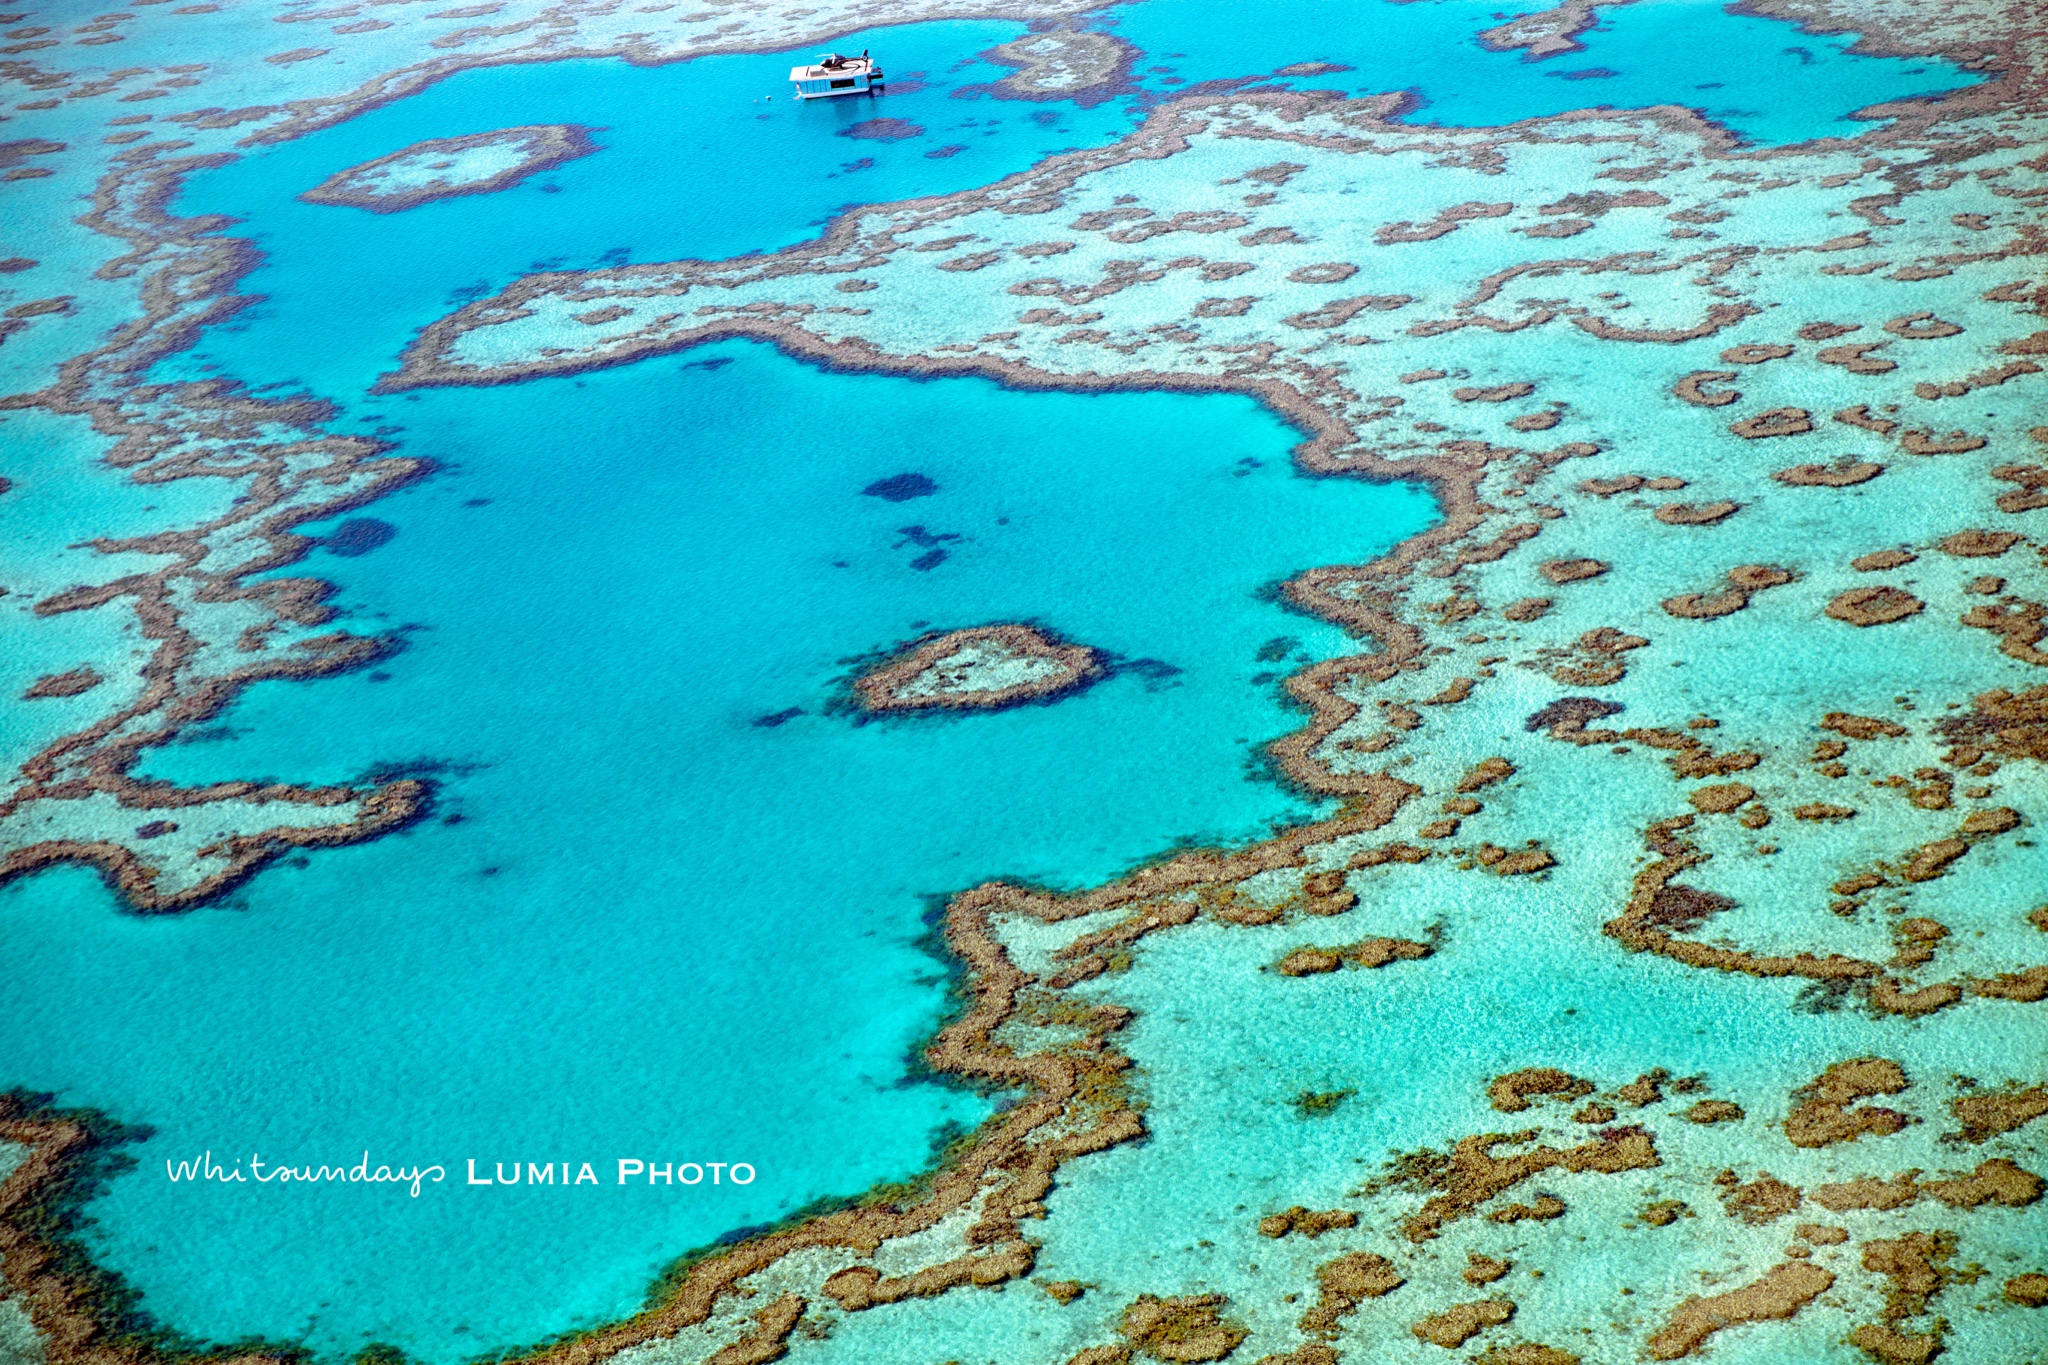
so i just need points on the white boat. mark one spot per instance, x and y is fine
(833, 74)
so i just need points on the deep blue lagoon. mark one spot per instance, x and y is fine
(643, 919)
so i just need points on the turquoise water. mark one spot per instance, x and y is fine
(697, 161)
(1765, 80)
(640, 922)
(660, 926)
(711, 159)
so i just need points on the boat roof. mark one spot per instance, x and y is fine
(848, 66)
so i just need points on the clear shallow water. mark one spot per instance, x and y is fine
(660, 926)
(659, 929)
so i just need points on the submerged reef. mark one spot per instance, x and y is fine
(1680, 713)
(1064, 64)
(440, 168)
(982, 667)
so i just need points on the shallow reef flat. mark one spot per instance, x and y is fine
(1667, 982)
(477, 163)
(1064, 64)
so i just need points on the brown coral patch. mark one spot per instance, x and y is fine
(1572, 570)
(1986, 1114)
(1824, 1114)
(1878, 560)
(1763, 1200)
(1714, 1111)
(1878, 605)
(1461, 1322)
(1745, 580)
(1595, 660)
(1483, 1269)
(1868, 1192)
(1308, 1222)
(770, 1335)
(1640, 929)
(2032, 491)
(1526, 1353)
(1693, 388)
(1862, 416)
(1118, 1354)
(1995, 1181)
(1511, 1093)
(1991, 820)
(1921, 326)
(1856, 358)
(1545, 1208)
(1704, 606)
(1372, 952)
(1648, 1088)
(1853, 726)
(1913, 1264)
(1843, 473)
(1682, 909)
(1519, 863)
(1497, 393)
(1922, 441)
(1756, 577)
(1337, 312)
(1781, 1292)
(1977, 544)
(1719, 799)
(71, 684)
(891, 686)
(2002, 722)
(1754, 353)
(1718, 316)
(1329, 272)
(1774, 422)
(1471, 1175)
(1893, 1347)
(1183, 1329)
(1485, 773)
(862, 1286)
(1345, 1283)
(2029, 1290)
(1932, 860)
(1696, 514)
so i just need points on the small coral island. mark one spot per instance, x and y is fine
(984, 667)
(443, 167)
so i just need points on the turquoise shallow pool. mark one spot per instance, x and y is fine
(643, 921)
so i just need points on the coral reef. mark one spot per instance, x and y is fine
(982, 668)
